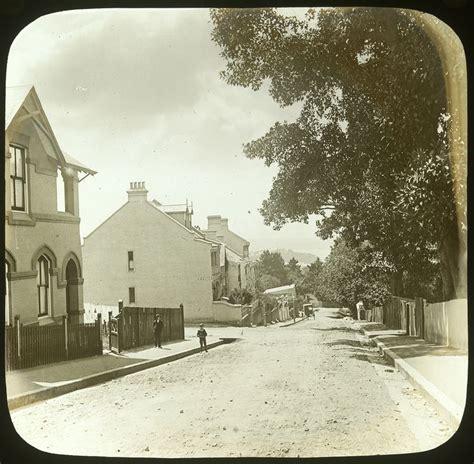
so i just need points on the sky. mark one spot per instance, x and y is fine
(136, 95)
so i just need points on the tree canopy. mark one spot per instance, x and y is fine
(368, 152)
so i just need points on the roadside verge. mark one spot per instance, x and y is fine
(45, 393)
(448, 409)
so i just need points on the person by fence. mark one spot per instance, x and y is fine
(157, 329)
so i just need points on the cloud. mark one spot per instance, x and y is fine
(132, 65)
(136, 95)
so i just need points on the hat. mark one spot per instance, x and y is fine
(201, 324)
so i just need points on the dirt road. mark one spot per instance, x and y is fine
(312, 389)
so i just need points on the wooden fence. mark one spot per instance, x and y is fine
(133, 327)
(31, 346)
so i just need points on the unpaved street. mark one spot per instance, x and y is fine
(312, 389)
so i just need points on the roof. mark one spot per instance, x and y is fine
(232, 255)
(284, 290)
(174, 208)
(14, 98)
(73, 162)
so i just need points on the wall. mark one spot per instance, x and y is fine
(226, 312)
(42, 224)
(91, 311)
(171, 267)
(446, 323)
(232, 276)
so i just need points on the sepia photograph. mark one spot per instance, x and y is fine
(236, 232)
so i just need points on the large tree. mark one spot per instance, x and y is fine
(368, 151)
(352, 274)
(270, 270)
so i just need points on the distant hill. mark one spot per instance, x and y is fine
(302, 258)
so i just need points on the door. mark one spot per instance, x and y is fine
(72, 291)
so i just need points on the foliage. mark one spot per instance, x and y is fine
(312, 279)
(368, 151)
(270, 270)
(238, 296)
(351, 274)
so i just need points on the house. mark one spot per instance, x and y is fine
(43, 262)
(237, 268)
(149, 255)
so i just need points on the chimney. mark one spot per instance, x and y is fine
(137, 191)
(214, 223)
(225, 223)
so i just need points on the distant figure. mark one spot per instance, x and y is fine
(202, 334)
(359, 307)
(157, 328)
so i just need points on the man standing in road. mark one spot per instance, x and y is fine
(157, 328)
(202, 334)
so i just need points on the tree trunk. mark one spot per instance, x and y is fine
(453, 276)
(396, 283)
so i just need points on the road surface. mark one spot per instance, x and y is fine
(312, 389)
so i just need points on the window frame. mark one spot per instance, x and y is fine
(44, 282)
(131, 261)
(14, 177)
(131, 291)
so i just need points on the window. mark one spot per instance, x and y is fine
(131, 295)
(18, 177)
(131, 264)
(214, 259)
(246, 251)
(44, 287)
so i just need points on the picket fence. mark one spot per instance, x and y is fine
(31, 346)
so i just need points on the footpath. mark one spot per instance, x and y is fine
(438, 372)
(28, 386)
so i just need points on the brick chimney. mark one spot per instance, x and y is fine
(214, 223)
(137, 191)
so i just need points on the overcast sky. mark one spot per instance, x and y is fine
(136, 96)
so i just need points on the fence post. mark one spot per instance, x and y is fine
(99, 328)
(119, 332)
(182, 319)
(110, 330)
(18, 340)
(66, 341)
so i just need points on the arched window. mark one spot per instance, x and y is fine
(44, 285)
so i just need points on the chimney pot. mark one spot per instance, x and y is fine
(137, 191)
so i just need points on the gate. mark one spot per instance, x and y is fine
(133, 327)
(114, 340)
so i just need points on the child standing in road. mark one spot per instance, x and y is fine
(202, 334)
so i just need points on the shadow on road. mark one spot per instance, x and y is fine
(370, 357)
(342, 342)
(334, 329)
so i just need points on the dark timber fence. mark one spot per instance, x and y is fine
(31, 346)
(133, 326)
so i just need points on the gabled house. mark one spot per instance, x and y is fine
(236, 267)
(43, 262)
(149, 255)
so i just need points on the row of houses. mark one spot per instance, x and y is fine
(145, 254)
(149, 254)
